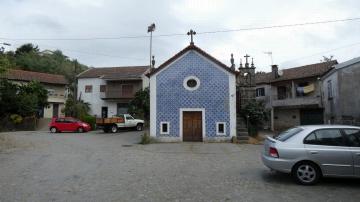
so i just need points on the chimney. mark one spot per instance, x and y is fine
(275, 71)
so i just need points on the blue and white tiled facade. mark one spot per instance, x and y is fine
(215, 97)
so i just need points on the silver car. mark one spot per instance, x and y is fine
(311, 152)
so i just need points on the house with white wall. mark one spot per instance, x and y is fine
(109, 90)
(55, 84)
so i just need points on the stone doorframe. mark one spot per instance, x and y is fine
(202, 110)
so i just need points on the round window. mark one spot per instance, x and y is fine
(191, 83)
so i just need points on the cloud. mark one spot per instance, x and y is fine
(112, 18)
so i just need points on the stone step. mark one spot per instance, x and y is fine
(242, 137)
(242, 130)
(243, 134)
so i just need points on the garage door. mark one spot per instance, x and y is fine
(311, 116)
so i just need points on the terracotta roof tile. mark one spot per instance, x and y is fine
(114, 72)
(22, 75)
(305, 71)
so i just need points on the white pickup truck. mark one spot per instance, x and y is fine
(113, 124)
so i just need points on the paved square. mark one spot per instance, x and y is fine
(113, 167)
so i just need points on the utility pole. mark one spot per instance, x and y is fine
(151, 28)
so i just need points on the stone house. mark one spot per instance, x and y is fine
(192, 98)
(109, 90)
(341, 94)
(56, 85)
(294, 95)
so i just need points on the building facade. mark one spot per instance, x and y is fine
(56, 85)
(192, 98)
(341, 94)
(109, 90)
(294, 95)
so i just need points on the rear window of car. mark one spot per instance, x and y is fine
(327, 137)
(288, 134)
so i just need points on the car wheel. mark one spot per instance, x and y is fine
(80, 130)
(306, 173)
(139, 127)
(53, 130)
(114, 129)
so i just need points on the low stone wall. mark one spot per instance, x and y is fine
(27, 124)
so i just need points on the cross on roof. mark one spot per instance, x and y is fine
(191, 33)
(246, 58)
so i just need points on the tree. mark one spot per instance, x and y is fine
(4, 63)
(255, 114)
(140, 105)
(8, 97)
(25, 100)
(76, 108)
(327, 59)
(26, 48)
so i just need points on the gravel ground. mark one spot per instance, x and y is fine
(113, 167)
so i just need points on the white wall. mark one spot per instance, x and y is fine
(94, 97)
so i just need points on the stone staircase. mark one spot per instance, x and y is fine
(242, 131)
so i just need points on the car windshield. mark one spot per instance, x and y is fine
(288, 134)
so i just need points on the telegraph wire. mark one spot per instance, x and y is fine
(184, 34)
(322, 52)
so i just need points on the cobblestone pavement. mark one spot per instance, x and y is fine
(113, 167)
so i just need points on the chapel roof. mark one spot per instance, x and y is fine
(186, 49)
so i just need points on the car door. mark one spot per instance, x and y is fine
(70, 124)
(328, 148)
(60, 124)
(130, 122)
(353, 136)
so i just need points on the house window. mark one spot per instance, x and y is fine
(191, 83)
(127, 90)
(164, 128)
(330, 90)
(220, 128)
(88, 88)
(51, 92)
(102, 88)
(282, 94)
(260, 92)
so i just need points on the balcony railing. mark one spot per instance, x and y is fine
(115, 94)
(297, 101)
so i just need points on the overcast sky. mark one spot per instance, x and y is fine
(292, 46)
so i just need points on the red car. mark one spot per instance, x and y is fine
(68, 124)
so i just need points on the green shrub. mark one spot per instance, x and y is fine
(90, 120)
(16, 119)
(252, 130)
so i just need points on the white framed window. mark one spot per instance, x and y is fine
(164, 128)
(191, 83)
(51, 92)
(220, 128)
(330, 90)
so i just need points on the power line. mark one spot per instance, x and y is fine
(184, 34)
(322, 52)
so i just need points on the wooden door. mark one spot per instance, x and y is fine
(192, 126)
